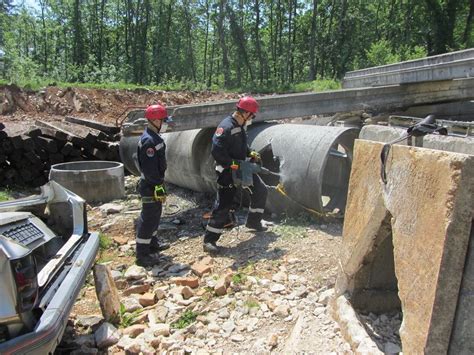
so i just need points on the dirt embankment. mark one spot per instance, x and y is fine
(104, 105)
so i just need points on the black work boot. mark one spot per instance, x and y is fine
(256, 226)
(157, 245)
(210, 247)
(148, 260)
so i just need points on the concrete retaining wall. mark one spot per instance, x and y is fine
(426, 209)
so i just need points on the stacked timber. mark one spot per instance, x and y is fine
(26, 159)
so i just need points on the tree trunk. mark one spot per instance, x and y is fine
(312, 42)
(258, 45)
(443, 21)
(222, 42)
(466, 38)
(206, 40)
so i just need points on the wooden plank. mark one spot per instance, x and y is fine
(54, 130)
(46, 144)
(110, 130)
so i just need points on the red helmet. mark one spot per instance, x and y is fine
(248, 103)
(156, 112)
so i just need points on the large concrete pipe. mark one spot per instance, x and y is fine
(314, 162)
(188, 155)
(94, 181)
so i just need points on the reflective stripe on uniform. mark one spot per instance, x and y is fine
(143, 241)
(148, 199)
(219, 168)
(214, 230)
(235, 130)
(155, 233)
(159, 146)
(256, 210)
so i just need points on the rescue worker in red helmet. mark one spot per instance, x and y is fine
(229, 147)
(152, 163)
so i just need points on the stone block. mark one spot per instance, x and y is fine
(107, 293)
(426, 208)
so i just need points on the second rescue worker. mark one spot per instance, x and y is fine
(152, 162)
(229, 148)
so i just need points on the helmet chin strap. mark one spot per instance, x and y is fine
(153, 126)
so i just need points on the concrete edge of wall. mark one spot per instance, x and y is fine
(351, 328)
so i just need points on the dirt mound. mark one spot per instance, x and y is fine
(100, 104)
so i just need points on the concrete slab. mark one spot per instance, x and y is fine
(432, 141)
(426, 209)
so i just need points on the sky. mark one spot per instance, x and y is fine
(30, 3)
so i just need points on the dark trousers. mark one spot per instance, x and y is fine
(147, 226)
(225, 199)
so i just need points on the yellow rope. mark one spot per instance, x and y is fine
(281, 189)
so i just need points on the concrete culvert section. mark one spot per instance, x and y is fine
(94, 181)
(314, 162)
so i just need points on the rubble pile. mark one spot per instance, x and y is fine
(190, 307)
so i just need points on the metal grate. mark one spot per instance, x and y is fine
(25, 233)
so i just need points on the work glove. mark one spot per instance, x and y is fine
(255, 157)
(160, 193)
(235, 165)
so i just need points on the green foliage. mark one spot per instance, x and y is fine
(380, 53)
(318, 85)
(179, 45)
(294, 227)
(126, 318)
(187, 318)
(104, 241)
(252, 303)
(238, 278)
(5, 195)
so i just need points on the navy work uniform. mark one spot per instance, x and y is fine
(229, 143)
(152, 162)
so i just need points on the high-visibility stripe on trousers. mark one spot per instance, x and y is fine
(225, 197)
(147, 226)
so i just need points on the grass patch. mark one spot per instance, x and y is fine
(105, 254)
(127, 318)
(173, 84)
(104, 241)
(252, 303)
(318, 85)
(187, 318)
(294, 227)
(5, 195)
(239, 278)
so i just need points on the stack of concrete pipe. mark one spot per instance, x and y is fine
(314, 162)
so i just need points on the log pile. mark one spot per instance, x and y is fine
(26, 159)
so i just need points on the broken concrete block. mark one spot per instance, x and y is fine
(107, 335)
(136, 289)
(192, 282)
(200, 269)
(147, 299)
(107, 293)
(405, 242)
